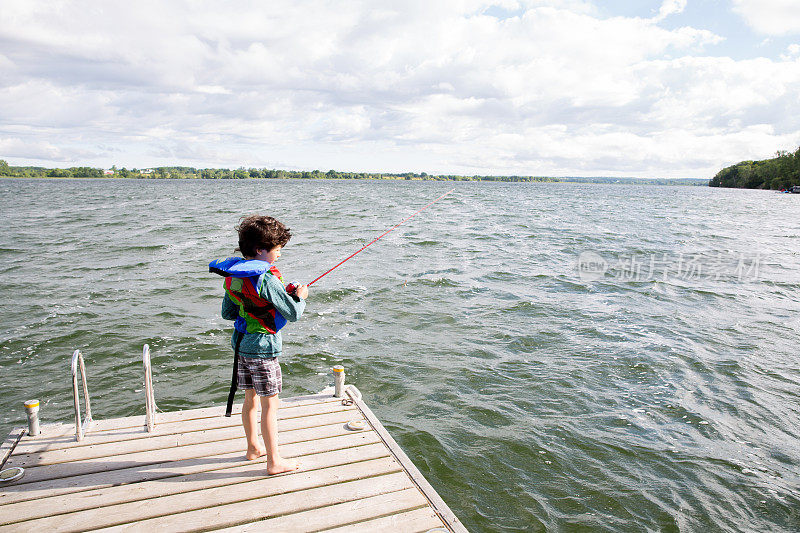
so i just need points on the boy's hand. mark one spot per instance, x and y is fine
(302, 291)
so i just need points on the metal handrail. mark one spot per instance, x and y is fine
(149, 396)
(80, 427)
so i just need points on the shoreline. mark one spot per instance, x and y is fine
(674, 182)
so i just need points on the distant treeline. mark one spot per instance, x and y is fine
(780, 172)
(262, 173)
(239, 173)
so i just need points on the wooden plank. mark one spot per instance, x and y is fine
(67, 429)
(105, 464)
(7, 448)
(35, 445)
(48, 508)
(248, 508)
(192, 476)
(436, 502)
(143, 473)
(339, 514)
(112, 449)
(416, 521)
(60, 433)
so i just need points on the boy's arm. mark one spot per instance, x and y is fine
(230, 311)
(282, 300)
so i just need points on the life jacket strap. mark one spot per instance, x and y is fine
(234, 378)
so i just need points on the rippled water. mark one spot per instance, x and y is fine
(531, 397)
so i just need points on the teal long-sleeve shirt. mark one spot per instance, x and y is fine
(264, 345)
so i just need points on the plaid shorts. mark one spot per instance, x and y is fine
(261, 374)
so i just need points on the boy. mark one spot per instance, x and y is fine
(257, 300)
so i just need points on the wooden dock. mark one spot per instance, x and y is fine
(190, 474)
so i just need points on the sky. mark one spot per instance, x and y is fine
(658, 89)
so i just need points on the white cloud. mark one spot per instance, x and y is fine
(37, 149)
(792, 52)
(552, 88)
(670, 7)
(771, 17)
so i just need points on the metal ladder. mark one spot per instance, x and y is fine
(81, 428)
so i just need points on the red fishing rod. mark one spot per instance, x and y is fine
(291, 287)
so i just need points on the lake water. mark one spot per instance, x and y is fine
(652, 385)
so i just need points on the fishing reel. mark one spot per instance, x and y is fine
(291, 289)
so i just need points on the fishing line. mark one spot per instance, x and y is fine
(291, 287)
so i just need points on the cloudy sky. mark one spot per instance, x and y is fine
(645, 88)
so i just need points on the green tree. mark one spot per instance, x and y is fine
(780, 172)
(58, 173)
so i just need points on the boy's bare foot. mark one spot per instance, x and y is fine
(281, 465)
(254, 453)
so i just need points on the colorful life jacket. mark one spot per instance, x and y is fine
(243, 281)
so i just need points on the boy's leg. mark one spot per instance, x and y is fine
(269, 430)
(250, 423)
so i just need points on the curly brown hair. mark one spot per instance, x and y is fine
(261, 232)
